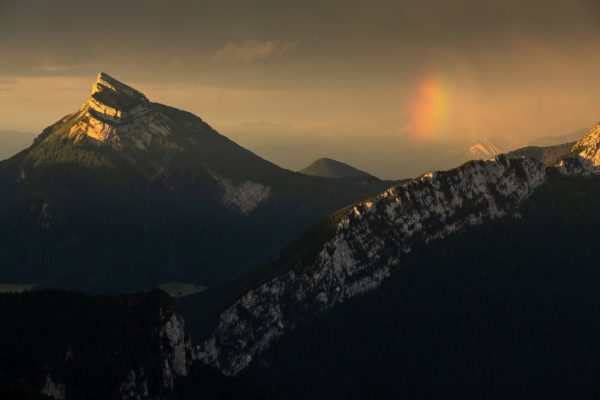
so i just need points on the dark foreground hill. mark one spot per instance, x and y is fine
(69, 345)
(57, 344)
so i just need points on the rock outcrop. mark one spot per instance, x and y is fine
(119, 115)
(588, 148)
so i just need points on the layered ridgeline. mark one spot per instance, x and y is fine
(583, 152)
(328, 168)
(360, 247)
(126, 193)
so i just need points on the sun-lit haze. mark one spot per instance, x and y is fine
(391, 87)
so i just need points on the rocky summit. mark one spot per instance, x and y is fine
(116, 113)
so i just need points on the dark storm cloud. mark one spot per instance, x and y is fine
(68, 36)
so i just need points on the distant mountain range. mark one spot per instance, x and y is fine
(11, 142)
(328, 168)
(125, 194)
(549, 155)
(560, 139)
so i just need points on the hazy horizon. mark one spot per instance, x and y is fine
(417, 81)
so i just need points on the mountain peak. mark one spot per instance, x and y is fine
(329, 168)
(111, 93)
(115, 112)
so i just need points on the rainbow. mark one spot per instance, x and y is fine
(430, 112)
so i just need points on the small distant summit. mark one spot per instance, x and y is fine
(559, 140)
(483, 149)
(328, 168)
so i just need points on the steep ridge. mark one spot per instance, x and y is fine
(507, 309)
(364, 247)
(125, 194)
(361, 246)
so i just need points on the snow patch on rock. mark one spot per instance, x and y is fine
(244, 197)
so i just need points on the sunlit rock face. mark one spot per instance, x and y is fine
(121, 117)
(588, 147)
(366, 246)
(116, 114)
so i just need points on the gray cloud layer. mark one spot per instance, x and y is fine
(63, 36)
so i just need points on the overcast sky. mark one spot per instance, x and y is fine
(424, 71)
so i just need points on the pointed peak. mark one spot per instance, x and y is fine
(330, 168)
(109, 92)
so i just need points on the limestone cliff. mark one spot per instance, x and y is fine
(366, 246)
